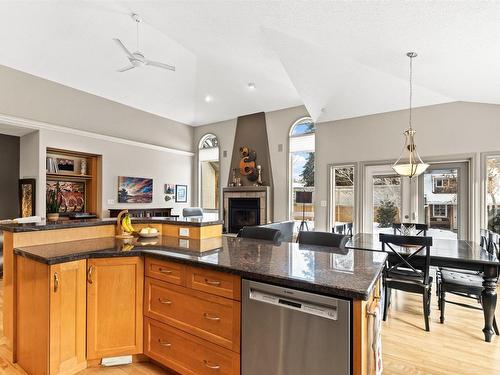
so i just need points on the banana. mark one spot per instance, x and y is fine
(127, 224)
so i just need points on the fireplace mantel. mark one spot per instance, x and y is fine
(264, 193)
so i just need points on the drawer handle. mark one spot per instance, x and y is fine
(163, 270)
(164, 301)
(89, 274)
(164, 343)
(56, 282)
(213, 367)
(211, 317)
(212, 282)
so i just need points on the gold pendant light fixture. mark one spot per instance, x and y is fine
(410, 163)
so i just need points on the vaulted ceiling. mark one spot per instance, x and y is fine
(340, 59)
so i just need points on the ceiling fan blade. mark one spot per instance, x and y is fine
(126, 68)
(122, 46)
(160, 65)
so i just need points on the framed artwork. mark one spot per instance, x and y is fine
(135, 190)
(169, 189)
(181, 193)
(72, 195)
(67, 165)
(27, 195)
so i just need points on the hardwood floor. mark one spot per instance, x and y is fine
(456, 347)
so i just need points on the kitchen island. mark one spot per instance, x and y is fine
(175, 300)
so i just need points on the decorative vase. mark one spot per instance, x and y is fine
(83, 167)
(53, 216)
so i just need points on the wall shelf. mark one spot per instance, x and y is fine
(68, 175)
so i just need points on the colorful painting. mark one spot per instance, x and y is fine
(27, 196)
(135, 190)
(181, 193)
(67, 165)
(72, 196)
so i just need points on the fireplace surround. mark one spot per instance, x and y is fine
(246, 206)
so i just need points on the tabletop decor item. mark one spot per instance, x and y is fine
(67, 165)
(83, 167)
(135, 190)
(53, 203)
(27, 188)
(181, 193)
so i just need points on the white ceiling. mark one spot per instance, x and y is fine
(340, 59)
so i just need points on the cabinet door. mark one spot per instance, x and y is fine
(68, 299)
(114, 307)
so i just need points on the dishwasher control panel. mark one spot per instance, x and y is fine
(328, 312)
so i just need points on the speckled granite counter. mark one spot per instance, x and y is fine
(344, 273)
(68, 224)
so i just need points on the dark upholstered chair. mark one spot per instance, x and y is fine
(407, 273)
(192, 211)
(322, 239)
(259, 233)
(285, 227)
(421, 229)
(467, 284)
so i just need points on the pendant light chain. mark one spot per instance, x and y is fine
(411, 87)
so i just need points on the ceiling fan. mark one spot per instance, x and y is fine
(137, 59)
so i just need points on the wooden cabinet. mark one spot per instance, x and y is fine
(192, 318)
(51, 317)
(114, 307)
(187, 354)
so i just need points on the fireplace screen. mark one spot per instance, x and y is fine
(243, 212)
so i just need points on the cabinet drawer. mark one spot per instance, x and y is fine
(210, 317)
(171, 272)
(218, 283)
(186, 353)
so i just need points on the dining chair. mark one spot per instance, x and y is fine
(348, 229)
(259, 233)
(420, 229)
(464, 283)
(323, 239)
(406, 272)
(339, 229)
(192, 211)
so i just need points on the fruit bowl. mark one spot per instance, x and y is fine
(148, 232)
(148, 235)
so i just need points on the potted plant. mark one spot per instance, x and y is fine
(53, 203)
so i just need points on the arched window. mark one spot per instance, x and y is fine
(301, 149)
(208, 172)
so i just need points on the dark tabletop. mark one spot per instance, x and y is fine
(442, 250)
(324, 270)
(67, 224)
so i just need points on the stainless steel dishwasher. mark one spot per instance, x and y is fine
(290, 332)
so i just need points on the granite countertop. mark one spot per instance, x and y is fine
(317, 269)
(67, 224)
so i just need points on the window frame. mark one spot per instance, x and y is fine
(199, 174)
(440, 206)
(331, 203)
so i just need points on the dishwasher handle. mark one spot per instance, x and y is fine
(328, 312)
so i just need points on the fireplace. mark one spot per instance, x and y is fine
(243, 212)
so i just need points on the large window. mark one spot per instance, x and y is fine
(386, 202)
(342, 195)
(209, 172)
(301, 148)
(493, 193)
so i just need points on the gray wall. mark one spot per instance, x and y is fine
(9, 177)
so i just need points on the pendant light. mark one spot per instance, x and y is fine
(410, 163)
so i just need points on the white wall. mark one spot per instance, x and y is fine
(458, 128)
(123, 160)
(30, 97)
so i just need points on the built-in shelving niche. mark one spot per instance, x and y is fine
(91, 179)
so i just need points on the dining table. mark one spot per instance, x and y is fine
(450, 253)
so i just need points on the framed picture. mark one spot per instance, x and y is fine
(67, 165)
(135, 190)
(181, 193)
(169, 189)
(27, 194)
(72, 195)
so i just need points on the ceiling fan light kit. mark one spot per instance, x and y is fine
(137, 58)
(410, 163)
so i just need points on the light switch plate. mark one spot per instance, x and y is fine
(111, 201)
(184, 232)
(323, 203)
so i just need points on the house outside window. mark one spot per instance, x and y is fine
(440, 210)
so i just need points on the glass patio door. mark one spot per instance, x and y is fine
(443, 200)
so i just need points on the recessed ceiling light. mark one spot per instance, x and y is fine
(208, 98)
(251, 86)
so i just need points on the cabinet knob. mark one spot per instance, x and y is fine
(89, 274)
(211, 317)
(213, 367)
(212, 282)
(56, 282)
